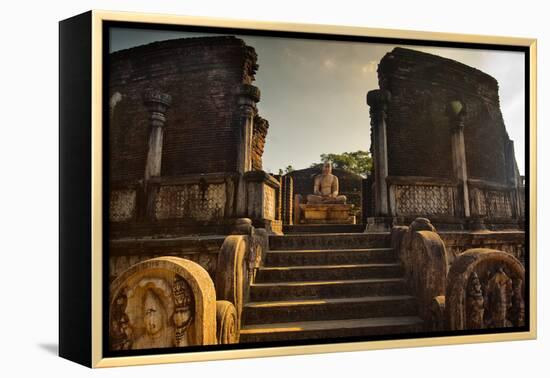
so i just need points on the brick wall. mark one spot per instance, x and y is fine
(418, 130)
(258, 142)
(202, 76)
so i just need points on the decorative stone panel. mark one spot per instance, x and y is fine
(269, 202)
(423, 199)
(122, 205)
(491, 203)
(199, 202)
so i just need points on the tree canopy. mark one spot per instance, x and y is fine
(359, 162)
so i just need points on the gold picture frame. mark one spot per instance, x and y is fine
(83, 241)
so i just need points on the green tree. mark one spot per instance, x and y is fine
(288, 169)
(359, 162)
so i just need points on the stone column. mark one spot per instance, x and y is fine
(288, 196)
(456, 113)
(157, 103)
(247, 97)
(378, 101)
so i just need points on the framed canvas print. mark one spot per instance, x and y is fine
(236, 189)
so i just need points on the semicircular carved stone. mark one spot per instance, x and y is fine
(226, 322)
(424, 258)
(485, 289)
(160, 303)
(232, 275)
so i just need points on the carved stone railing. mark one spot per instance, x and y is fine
(421, 196)
(492, 201)
(485, 289)
(239, 258)
(199, 198)
(424, 259)
(196, 197)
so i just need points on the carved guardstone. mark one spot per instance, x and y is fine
(161, 303)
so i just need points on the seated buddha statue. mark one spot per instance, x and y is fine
(325, 188)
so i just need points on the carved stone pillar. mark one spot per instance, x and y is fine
(157, 103)
(378, 101)
(456, 113)
(287, 199)
(247, 97)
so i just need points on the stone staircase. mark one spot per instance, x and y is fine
(328, 285)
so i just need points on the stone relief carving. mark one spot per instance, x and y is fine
(424, 199)
(475, 303)
(184, 308)
(499, 300)
(200, 202)
(121, 332)
(497, 304)
(160, 303)
(485, 290)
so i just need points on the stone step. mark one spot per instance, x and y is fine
(328, 309)
(285, 258)
(327, 272)
(276, 291)
(328, 329)
(323, 228)
(329, 241)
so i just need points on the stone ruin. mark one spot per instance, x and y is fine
(197, 253)
(440, 147)
(184, 132)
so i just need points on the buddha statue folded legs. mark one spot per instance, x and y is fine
(317, 199)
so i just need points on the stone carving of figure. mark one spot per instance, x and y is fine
(325, 188)
(158, 334)
(121, 332)
(475, 304)
(518, 305)
(499, 295)
(183, 310)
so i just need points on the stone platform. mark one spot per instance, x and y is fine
(326, 214)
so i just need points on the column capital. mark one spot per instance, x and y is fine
(248, 92)
(456, 111)
(378, 99)
(247, 96)
(157, 101)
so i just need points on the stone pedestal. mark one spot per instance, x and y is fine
(326, 214)
(262, 200)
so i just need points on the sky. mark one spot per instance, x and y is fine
(313, 93)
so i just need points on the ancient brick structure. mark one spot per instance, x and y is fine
(439, 143)
(183, 131)
(258, 142)
(186, 184)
